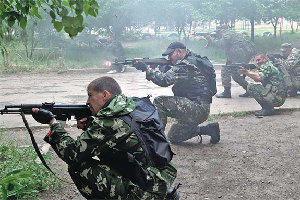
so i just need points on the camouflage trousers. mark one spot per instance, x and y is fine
(265, 96)
(296, 82)
(96, 181)
(188, 115)
(227, 73)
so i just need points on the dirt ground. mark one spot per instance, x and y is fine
(257, 158)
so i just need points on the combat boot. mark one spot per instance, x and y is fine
(173, 193)
(267, 110)
(211, 129)
(246, 94)
(292, 93)
(225, 94)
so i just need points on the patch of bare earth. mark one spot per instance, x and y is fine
(257, 158)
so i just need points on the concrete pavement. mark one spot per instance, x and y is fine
(70, 88)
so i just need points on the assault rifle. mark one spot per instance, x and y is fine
(237, 66)
(274, 56)
(147, 61)
(62, 112)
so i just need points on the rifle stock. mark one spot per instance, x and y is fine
(62, 112)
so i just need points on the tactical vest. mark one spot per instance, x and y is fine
(146, 124)
(197, 89)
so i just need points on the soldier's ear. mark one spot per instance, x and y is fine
(106, 94)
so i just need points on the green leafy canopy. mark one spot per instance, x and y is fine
(65, 14)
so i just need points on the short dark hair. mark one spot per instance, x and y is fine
(105, 83)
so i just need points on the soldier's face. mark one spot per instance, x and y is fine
(286, 53)
(96, 100)
(175, 56)
(260, 60)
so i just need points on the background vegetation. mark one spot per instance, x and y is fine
(39, 35)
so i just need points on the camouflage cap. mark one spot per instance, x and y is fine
(285, 46)
(172, 47)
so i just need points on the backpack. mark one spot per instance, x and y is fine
(207, 68)
(145, 122)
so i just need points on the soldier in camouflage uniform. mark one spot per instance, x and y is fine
(271, 93)
(291, 63)
(117, 51)
(107, 136)
(238, 49)
(190, 105)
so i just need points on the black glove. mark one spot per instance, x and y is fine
(140, 66)
(43, 116)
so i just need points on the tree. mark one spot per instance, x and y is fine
(65, 14)
(292, 12)
(272, 11)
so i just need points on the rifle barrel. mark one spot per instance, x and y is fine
(62, 111)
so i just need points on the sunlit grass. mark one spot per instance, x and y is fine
(75, 56)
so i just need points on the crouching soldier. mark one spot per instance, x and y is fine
(271, 92)
(127, 165)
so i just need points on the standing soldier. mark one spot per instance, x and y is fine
(238, 49)
(291, 62)
(116, 49)
(194, 84)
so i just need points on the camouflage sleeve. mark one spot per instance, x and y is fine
(160, 78)
(223, 41)
(219, 43)
(266, 70)
(292, 60)
(102, 136)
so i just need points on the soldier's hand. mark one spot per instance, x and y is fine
(208, 37)
(242, 70)
(82, 123)
(140, 65)
(42, 116)
(85, 122)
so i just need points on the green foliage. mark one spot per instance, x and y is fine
(270, 44)
(18, 12)
(20, 176)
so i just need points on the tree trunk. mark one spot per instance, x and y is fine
(292, 26)
(274, 24)
(252, 29)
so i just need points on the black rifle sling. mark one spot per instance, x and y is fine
(37, 150)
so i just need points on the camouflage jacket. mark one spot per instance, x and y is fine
(270, 74)
(237, 47)
(186, 78)
(116, 49)
(108, 133)
(292, 62)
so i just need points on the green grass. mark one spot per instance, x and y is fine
(20, 176)
(213, 117)
(75, 56)
(271, 44)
